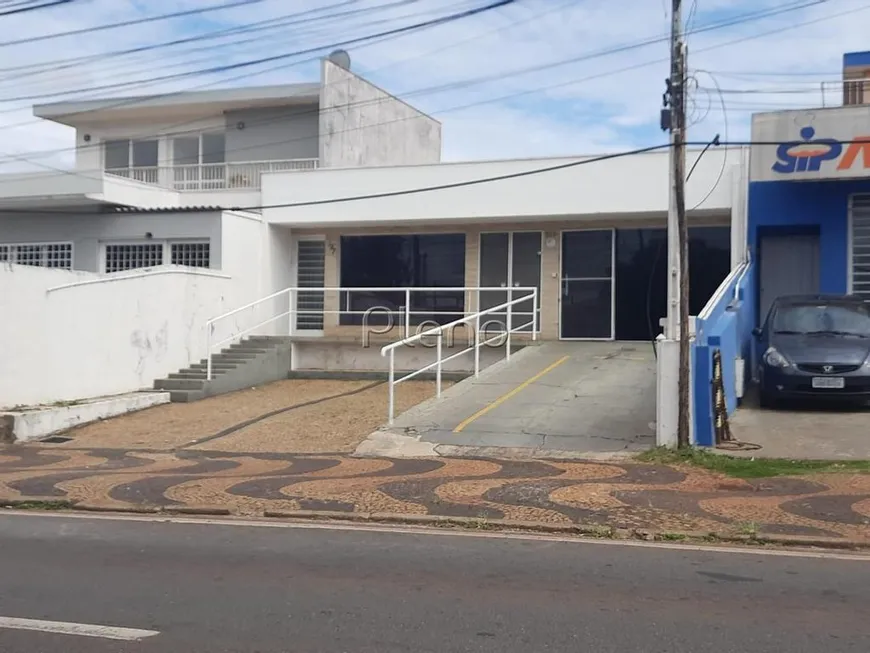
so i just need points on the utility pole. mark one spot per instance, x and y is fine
(677, 322)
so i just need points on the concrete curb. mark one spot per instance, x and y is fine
(50, 504)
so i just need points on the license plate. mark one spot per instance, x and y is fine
(829, 382)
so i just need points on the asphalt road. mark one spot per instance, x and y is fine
(214, 588)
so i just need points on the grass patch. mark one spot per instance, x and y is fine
(748, 467)
(60, 504)
(673, 537)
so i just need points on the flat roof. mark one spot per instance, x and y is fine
(248, 97)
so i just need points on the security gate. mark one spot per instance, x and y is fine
(310, 273)
(860, 239)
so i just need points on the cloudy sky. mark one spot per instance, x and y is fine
(534, 78)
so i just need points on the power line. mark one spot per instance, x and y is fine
(409, 191)
(608, 73)
(586, 56)
(63, 63)
(197, 131)
(729, 22)
(129, 23)
(448, 186)
(768, 91)
(31, 5)
(386, 35)
(772, 73)
(279, 57)
(724, 159)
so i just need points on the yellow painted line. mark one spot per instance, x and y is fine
(498, 402)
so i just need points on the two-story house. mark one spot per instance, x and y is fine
(201, 148)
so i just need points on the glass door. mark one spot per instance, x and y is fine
(510, 260)
(587, 285)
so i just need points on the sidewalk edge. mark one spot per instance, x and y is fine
(52, 504)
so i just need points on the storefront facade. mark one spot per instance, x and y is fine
(591, 239)
(809, 204)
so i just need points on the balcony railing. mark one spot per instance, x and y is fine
(211, 176)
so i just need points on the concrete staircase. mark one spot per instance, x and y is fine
(251, 362)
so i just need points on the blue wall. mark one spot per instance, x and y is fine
(724, 330)
(819, 204)
(775, 207)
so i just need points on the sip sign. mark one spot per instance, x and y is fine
(811, 145)
(810, 153)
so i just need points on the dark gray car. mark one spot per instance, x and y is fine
(815, 347)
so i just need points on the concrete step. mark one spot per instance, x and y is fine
(215, 367)
(221, 360)
(270, 339)
(186, 396)
(233, 357)
(245, 349)
(201, 370)
(179, 384)
(190, 383)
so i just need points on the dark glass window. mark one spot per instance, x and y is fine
(412, 261)
(587, 254)
(641, 276)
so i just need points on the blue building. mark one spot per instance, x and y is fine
(807, 230)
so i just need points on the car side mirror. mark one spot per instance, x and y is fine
(757, 331)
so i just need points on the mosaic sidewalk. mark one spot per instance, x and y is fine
(619, 495)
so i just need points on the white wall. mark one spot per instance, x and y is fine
(363, 125)
(88, 230)
(631, 185)
(72, 335)
(242, 255)
(277, 273)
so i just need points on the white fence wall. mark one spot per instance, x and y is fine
(72, 335)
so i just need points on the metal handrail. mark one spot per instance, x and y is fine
(438, 332)
(405, 310)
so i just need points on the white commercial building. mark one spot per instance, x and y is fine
(189, 207)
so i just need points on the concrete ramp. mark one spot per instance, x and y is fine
(593, 399)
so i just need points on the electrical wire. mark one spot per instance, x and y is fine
(30, 5)
(365, 40)
(407, 191)
(734, 20)
(715, 142)
(730, 22)
(658, 255)
(439, 187)
(262, 42)
(278, 57)
(287, 20)
(197, 131)
(128, 23)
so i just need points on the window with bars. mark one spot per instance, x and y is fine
(861, 246)
(195, 255)
(45, 255)
(131, 256)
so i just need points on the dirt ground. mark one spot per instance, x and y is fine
(335, 425)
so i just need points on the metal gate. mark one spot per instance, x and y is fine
(310, 273)
(789, 265)
(860, 239)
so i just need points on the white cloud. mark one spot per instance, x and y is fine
(598, 104)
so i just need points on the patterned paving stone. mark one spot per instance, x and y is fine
(619, 494)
